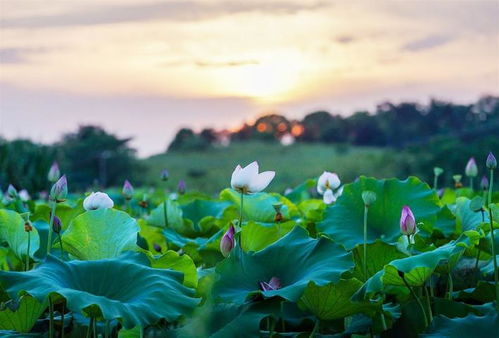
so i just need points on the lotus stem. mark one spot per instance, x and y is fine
(164, 209)
(106, 329)
(365, 241)
(435, 182)
(27, 252)
(283, 323)
(421, 307)
(428, 301)
(240, 237)
(51, 224)
(62, 321)
(471, 183)
(51, 318)
(383, 321)
(315, 329)
(90, 327)
(60, 244)
(491, 184)
(451, 286)
(494, 258)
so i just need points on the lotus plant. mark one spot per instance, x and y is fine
(54, 173)
(57, 194)
(127, 193)
(248, 180)
(97, 200)
(491, 164)
(368, 197)
(407, 223)
(326, 183)
(437, 171)
(181, 187)
(471, 170)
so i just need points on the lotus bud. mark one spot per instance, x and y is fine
(457, 181)
(437, 171)
(24, 195)
(273, 284)
(278, 215)
(369, 197)
(157, 247)
(471, 169)
(227, 242)
(484, 183)
(181, 187)
(143, 202)
(165, 175)
(97, 200)
(59, 190)
(407, 221)
(57, 226)
(54, 173)
(27, 226)
(127, 190)
(491, 162)
(12, 192)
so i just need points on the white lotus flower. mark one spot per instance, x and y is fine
(326, 183)
(24, 195)
(98, 200)
(248, 180)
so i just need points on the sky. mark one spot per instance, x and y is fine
(145, 68)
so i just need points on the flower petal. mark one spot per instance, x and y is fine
(328, 197)
(262, 181)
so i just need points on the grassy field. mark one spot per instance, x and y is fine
(210, 170)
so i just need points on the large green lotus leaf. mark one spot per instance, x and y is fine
(65, 212)
(197, 209)
(379, 254)
(119, 288)
(21, 315)
(102, 233)
(12, 232)
(471, 326)
(259, 207)
(152, 235)
(257, 236)
(312, 210)
(302, 192)
(181, 241)
(173, 214)
(466, 219)
(295, 259)
(182, 263)
(446, 222)
(483, 292)
(333, 300)
(344, 220)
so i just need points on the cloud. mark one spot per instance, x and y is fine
(345, 39)
(164, 10)
(428, 42)
(235, 63)
(18, 55)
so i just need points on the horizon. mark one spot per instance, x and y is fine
(144, 70)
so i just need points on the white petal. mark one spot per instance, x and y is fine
(87, 202)
(251, 170)
(235, 176)
(328, 197)
(321, 182)
(334, 181)
(262, 181)
(339, 192)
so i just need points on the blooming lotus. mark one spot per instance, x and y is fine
(407, 221)
(24, 195)
(227, 242)
(247, 180)
(98, 200)
(326, 183)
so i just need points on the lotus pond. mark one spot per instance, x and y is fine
(373, 257)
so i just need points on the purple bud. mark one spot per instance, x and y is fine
(491, 162)
(57, 225)
(127, 190)
(157, 247)
(471, 169)
(54, 173)
(164, 175)
(59, 190)
(273, 284)
(181, 187)
(12, 192)
(227, 241)
(407, 221)
(484, 183)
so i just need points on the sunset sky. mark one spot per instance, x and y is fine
(146, 68)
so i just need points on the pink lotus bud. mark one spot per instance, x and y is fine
(57, 226)
(407, 221)
(127, 190)
(59, 190)
(273, 284)
(471, 169)
(484, 183)
(181, 187)
(54, 173)
(164, 175)
(227, 242)
(491, 162)
(157, 247)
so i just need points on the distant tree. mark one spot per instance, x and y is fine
(364, 129)
(92, 155)
(187, 140)
(314, 125)
(25, 164)
(271, 127)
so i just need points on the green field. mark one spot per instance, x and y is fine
(210, 171)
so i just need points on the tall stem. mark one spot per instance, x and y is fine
(240, 237)
(315, 329)
(451, 286)
(51, 224)
(435, 182)
(90, 327)
(365, 241)
(62, 320)
(60, 244)
(428, 303)
(164, 209)
(491, 183)
(471, 183)
(421, 307)
(494, 258)
(27, 252)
